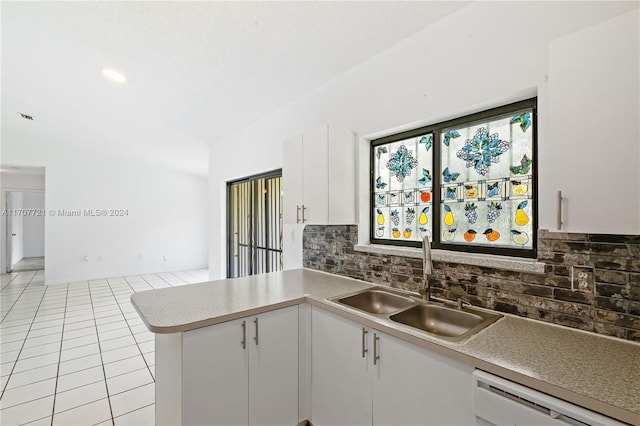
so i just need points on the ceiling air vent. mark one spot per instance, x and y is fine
(26, 117)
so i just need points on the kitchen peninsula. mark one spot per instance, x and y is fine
(281, 312)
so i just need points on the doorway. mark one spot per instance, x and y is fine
(25, 230)
(23, 215)
(254, 225)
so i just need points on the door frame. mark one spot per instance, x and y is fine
(5, 243)
(230, 235)
(8, 241)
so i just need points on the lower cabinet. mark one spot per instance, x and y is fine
(340, 382)
(242, 372)
(361, 376)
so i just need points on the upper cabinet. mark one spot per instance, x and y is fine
(319, 177)
(588, 143)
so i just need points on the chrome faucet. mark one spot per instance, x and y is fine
(427, 267)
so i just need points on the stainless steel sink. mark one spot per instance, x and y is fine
(448, 323)
(376, 301)
(438, 319)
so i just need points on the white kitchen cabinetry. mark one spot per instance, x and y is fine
(406, 385)
(242, 372)
(589, 133)
(319, 177)
(340, 382)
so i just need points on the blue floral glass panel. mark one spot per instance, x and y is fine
(403, 186)
(487, 182)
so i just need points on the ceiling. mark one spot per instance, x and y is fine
(196, 71)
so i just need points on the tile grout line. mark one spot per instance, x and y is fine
(17, 298)
(4, 388)
(101, 359)
(137, 409)
(46, 301)
(55, 390)
(10, 281)
(131, 331)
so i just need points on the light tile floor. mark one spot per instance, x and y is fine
(78, 354)
(28, 264)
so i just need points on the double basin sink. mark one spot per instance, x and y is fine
(438, 319)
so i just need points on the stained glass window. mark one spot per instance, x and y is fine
(479, 193)
(403, 189)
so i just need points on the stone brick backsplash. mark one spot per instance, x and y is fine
(607, 302)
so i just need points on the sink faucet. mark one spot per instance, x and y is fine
(427, 267)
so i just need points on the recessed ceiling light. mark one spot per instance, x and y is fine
(114, 75)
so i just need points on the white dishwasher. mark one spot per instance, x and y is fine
(501, 402)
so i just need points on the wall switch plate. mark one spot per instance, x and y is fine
(583, 279)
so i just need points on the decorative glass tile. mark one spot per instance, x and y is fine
(471, 191)
(451, 193)
(425, 195)
(395, 198)
(520, 188)
(493, 159)
(403, 188)
(495, 189)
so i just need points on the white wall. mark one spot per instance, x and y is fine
(167, 212)
(18, 182)
(33, 231)
(483, 55)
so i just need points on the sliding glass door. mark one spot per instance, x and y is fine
(254, 221)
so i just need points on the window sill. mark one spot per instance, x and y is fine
(484, 260)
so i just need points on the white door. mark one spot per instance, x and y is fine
(340, 380)
(7, 236)
(412, 386)
(15, 228)
(215, 379)
(273, 368)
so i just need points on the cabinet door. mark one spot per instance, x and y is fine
(589, 133)
(340, 381)
(342, 177)
(292, 179)
(315, 178)
(412, 386)
(215, 375)
(273, 368)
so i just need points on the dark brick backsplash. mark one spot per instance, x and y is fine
(611, 308)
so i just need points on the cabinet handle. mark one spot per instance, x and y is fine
(559, 223)
(376, 357)
(297, 214)
(303, 209)
(364, 345)
(255, 321)
(244, 335)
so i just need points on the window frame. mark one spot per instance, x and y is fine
(436, 201)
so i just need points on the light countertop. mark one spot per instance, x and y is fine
(596, 372)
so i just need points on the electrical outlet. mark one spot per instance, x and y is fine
(583, 278)
(335, 248)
